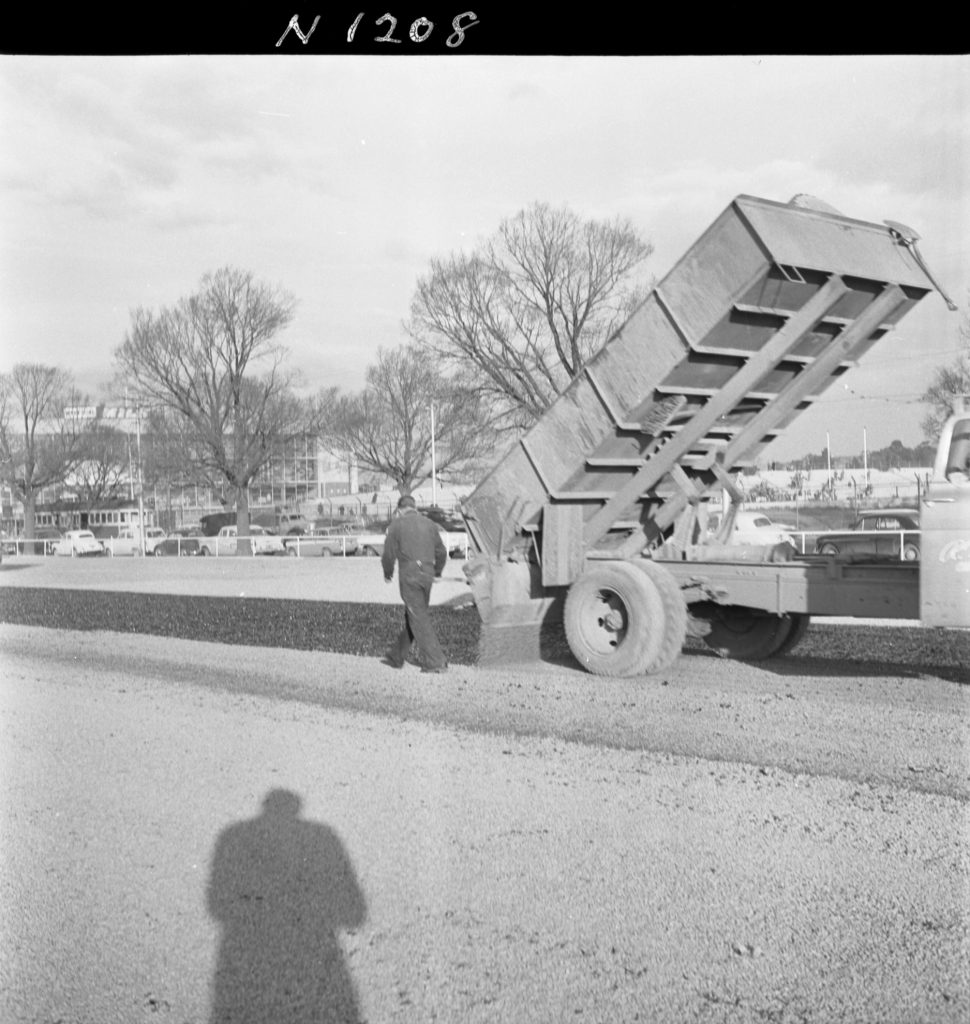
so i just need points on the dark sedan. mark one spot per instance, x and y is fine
(878, 534)
(178, 542)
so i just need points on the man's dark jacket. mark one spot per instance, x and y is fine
(416, 542)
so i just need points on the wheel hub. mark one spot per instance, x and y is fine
(613, 620)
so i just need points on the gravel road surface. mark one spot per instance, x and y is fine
(191, 829)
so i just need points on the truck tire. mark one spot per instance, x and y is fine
(621, 620)
(799, 627)
(741, 633)
(828, 549)
(675, 615)
(910, 552)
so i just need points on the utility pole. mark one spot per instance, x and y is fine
(434, 469)
(865, 456)
(141, 482)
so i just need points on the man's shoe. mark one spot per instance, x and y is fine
(387, 660)
(436, 670)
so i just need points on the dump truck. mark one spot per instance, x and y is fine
(594, 523)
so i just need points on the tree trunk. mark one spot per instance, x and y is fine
(30, 514)
(244, 544)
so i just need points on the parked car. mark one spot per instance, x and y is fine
(79, 544)
(370, 542)
(282, 523)
(886, 533)
(153, 535)
(128, 541)
(225, 541)
(179, 542)
(328, 541)
(8, 544)
(753, 528)
(453, 531)
(370, 538)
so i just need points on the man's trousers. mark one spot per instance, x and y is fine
(415, 585)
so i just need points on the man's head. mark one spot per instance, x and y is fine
(406, 501)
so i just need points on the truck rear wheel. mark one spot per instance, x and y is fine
(745, 634)
(674, 631)
(799, 627)
(621, 620)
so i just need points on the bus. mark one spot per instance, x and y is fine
(104, 519)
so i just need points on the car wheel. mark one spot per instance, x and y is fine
(158, 552)
(291, 550)
(370, 552)
(326, 553)
(828, 549)
(204, 552)
(911, 553)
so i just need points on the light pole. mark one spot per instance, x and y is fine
(865, 457)
(141, 481)
(434, 470)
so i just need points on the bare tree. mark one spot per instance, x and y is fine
(387, 426)
(214, 363)
(104, 469)
(39, 445)
(949, 382)
(525, 311)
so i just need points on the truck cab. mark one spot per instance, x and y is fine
(944, 520)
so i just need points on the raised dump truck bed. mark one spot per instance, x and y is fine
(764, 312)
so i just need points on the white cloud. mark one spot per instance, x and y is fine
(123, 179)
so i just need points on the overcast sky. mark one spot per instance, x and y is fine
(124, 179)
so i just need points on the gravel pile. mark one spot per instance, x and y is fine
(365, 629)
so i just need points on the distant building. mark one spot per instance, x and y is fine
(303, 473)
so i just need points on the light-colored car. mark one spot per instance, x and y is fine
(328, 541)
(225, 542)
(370, 538)
(452, 528)
(128, 541)
(753, 528)
(372, 543)
(887, 533)
(79, 544)
(153, 535)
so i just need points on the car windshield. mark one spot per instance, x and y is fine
(761, 521)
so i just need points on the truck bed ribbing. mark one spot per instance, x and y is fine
(762, 314)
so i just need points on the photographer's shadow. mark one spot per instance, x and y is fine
(281, 888)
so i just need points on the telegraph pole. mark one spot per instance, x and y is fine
(434, 471)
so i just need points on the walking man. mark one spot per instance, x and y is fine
(416, 545)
